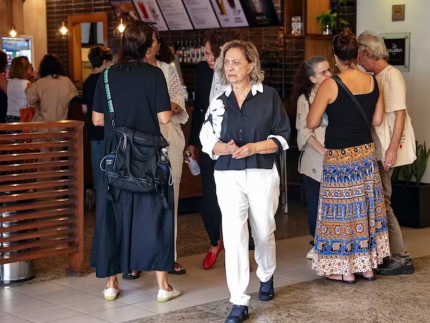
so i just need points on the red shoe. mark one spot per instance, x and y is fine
(210, 259)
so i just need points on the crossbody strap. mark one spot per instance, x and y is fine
(354, 99)
(109, 96)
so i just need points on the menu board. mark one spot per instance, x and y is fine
(230, 13)
(149, 12)
(260, 13)
(201, 14)
(175, 14)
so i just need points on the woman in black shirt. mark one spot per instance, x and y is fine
(244, 129)
(352, 235)
(134, 232)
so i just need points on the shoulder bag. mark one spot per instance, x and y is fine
(138, 161)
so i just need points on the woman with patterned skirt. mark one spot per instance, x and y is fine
(351, 235)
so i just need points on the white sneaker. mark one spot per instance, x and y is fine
(310, 254)
(165, 296)
(111, 294)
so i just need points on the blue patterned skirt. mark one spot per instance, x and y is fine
(352, 232)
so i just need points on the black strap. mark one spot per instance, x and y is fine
(354, 99)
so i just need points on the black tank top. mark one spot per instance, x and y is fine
(346, 125)
(3, 106)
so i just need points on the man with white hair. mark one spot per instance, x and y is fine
(373, 58)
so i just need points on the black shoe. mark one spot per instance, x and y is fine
(238, 314)
(392, 267)
(266, 292)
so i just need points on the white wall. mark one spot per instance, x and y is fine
(375, 15)
(35, 25)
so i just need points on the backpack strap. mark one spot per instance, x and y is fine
(109, 96)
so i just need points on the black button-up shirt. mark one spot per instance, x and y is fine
(261, 117)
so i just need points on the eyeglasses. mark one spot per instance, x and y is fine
(326, 72)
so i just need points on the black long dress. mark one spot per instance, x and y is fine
(136, 232)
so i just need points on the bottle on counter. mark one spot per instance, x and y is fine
(192, 164)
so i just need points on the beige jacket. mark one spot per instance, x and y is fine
(310, 163)
(52, 98)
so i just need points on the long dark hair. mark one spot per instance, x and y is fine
(135, 41)
(51, 64)
(302, 82)
(218, 37)
(3, 61)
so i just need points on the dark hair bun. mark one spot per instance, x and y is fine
(345, 47)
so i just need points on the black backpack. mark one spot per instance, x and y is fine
(138, 161)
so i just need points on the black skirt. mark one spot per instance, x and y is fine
(134, 233)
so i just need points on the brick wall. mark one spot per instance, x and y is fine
(261, 37)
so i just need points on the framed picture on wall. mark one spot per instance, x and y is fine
(398, 46)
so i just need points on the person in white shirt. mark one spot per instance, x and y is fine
(373, 58)
(310, 141)
(20, 71)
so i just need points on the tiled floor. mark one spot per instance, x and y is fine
(79, 300)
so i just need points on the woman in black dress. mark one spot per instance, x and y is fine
(135, 232)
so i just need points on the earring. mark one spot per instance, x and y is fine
(158, 53)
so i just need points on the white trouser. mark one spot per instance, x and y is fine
(176, 201)
(252, 193)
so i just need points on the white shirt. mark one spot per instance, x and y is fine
(16, 97)
(216, 87)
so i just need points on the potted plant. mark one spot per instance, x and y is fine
(410, 200)
(328, 22)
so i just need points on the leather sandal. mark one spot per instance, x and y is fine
(130, 276)
(341, 280)
(178, 272)
(361, 275)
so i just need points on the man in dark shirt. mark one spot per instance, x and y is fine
(100, 57)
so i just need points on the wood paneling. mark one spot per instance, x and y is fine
(314, 8)
(43, 211)
(320, 47)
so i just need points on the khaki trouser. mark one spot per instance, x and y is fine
(398, 247)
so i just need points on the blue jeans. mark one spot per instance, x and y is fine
(97, 154)
(312, 193)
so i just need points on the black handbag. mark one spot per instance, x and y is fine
(138, 161)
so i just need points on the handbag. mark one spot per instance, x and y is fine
(27, 115)
(138, 162)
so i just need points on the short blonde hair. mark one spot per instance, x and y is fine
(373, 45)
(251, 55)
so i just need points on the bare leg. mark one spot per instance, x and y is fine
(112, 282)
(162, 280)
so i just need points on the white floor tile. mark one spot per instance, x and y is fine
(65, 296)
(47, 314)
(203, 296)
(93, 305)
(40, 288)
(76, 281)
(23, 305)
(12, 319)
(7, 294)
(122, 314)
(80, 319)
(136, 296)
(156, 307)
(98, 288)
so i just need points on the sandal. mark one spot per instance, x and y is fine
(341, 280)
(181, 270)
(130, 276)
(361, 275)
